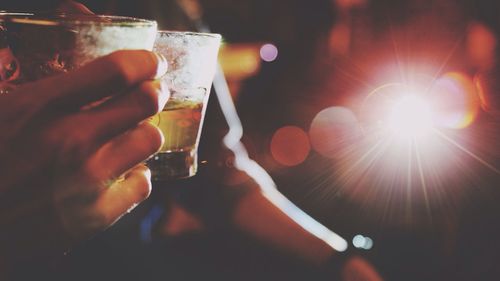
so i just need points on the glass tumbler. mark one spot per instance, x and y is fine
(192, 59)
(34, 46)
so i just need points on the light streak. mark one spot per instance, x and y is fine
(422, 177)
(468, 152)
(232, 141)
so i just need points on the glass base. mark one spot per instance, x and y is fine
(167, 166)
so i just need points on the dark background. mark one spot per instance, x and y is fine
(453, 238)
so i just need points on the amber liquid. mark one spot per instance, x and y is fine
(180, 123)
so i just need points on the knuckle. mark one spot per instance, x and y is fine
(154, 137)
(147, 98)
(94, 175)
(148, 140)
(131, 65)
(119, 67)
(69, 140)
(73, 143)
(142, 190)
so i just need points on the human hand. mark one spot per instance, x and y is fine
(65, 140)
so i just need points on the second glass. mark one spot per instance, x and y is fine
(192, 59)
(35, 46)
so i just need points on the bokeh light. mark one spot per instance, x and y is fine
(385, 169)
(290, 146)
(268, 52)
(333, 131)
(368, 243)
(358, 241)
(362, 242)
(481, 44)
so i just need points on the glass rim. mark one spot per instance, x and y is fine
(46, 18)
(189, 33)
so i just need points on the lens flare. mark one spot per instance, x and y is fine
(290, 146)
(333, 131)
(455, 101)
(268, 52)
(362, 242)
(410, 117)
(399, 111)
(358, 241)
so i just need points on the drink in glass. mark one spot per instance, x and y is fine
(192, 61)
(34, 46)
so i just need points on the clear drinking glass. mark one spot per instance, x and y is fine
(34, 46)
(192, 59)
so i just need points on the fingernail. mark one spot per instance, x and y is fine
(162, 65)
(147, 173)
(164, 93)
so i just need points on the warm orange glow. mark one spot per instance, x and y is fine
(290, 146)
(455, 101)
(333, 130)
(340, 39)
(481, 44)
(487, 89)
(349, 4)
(240, 61)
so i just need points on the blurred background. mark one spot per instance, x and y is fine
(310, 79)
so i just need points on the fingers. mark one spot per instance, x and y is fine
(116, 116)
(124, 195)
(106, 199)
(104, 77)
(73, 7)
(118, 155)
(98, 125)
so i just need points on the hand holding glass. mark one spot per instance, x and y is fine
(66, 138)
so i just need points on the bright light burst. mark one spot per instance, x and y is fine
(410, 117)
(417, 149)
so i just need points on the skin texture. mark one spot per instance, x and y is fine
(65, 141)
